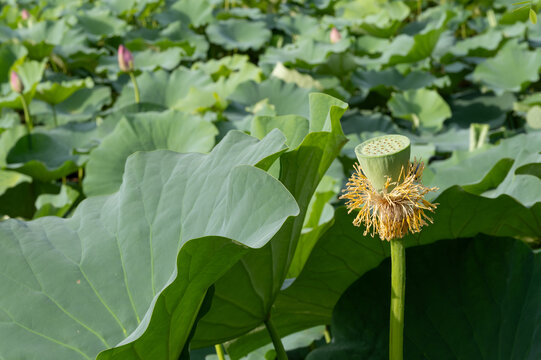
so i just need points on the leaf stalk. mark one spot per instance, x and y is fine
(219, 351)
(276, 341)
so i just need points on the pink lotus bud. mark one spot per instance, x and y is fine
(335, 35)
(125, 59)
(16, 83)
(25, 14)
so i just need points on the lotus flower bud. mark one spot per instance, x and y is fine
(383, 156)
(335, 35)
(16, 83)
(25, 14)
(125, 59)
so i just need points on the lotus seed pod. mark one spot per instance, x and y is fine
(383, 157)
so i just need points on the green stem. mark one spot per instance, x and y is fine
(398, 292)
(135, 87)
(27, 118)
(327, 334)
(276, 341)
(219, 351)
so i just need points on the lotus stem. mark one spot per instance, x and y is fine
(327, 334)
(398, 292)
(27, 118)
(276, 341)
(135, 87)
(219, 351)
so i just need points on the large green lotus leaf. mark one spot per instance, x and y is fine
(171, 90)
(386, 22)
(99, 23)
(195, 45)
(478, 108)
(8, 139)
(130, 270)
(229, 72)
(30, 73)
(487, 41)
(171, 130)
(424, 108)
(475, 298)
(367, 121)
(407, 49)
(513, 67)
(49, 155)
(494, 171)
(50, 32)
(393, 78)
(228, 66)
(56, 204)
(56, 92)
(42, 157)
(41, 38)
(286, 98)
(368, 44)
(300, 24)
(194, 12)
(343, 254)
(9, 54)
(245, 295)
(374, 17)
(239, 34)
(82, 105)
(305, 52)
(294, 127)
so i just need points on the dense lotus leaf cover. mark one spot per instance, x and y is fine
(181, 197)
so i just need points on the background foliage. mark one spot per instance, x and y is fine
(192, 217)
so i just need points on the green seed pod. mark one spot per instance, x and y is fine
(383, 156)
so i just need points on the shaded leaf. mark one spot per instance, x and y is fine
(238, 34)
(513, 67)
(491, 286)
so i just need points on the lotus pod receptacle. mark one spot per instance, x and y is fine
(384, 157)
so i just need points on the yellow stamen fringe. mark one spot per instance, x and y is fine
(391, 214)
